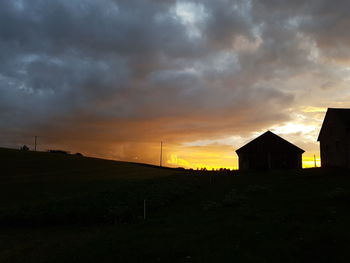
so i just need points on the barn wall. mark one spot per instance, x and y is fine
(335, 143)
(335, 153)
(243, 162)
(266, 161)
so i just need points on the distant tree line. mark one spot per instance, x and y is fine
(26, 148)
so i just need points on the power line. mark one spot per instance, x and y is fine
(161, 154)
(315, 160)
(35, 143)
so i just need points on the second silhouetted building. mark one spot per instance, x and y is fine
(334, 138)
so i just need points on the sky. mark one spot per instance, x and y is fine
(112, 79)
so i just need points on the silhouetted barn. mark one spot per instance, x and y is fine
(334, 138)
(269, 151)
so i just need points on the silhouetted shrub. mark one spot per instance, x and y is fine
(24, 148)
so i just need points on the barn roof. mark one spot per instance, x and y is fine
(269, 141)
(338, 116)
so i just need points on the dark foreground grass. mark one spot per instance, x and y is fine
(71, 209)
(54, 189)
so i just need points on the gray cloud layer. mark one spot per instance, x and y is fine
(182, 70)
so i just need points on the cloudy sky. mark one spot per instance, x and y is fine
(113, 78)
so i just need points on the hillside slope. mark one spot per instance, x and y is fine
(47, 188)
(47, 166)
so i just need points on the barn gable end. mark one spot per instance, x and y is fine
(269, 151)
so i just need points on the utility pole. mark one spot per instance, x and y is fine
(161, 154)
(35, 143)
(315, 160)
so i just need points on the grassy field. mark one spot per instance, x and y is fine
(59, 208)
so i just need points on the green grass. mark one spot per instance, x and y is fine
(57, 208)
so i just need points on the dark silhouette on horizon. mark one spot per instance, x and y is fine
(334, 138)
(24, 148)
(269, 151)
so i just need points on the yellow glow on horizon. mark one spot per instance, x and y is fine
(174, 160)
(202, 158)
(309, 162)
(197, 157)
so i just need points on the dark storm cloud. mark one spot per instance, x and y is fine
(138, 70)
